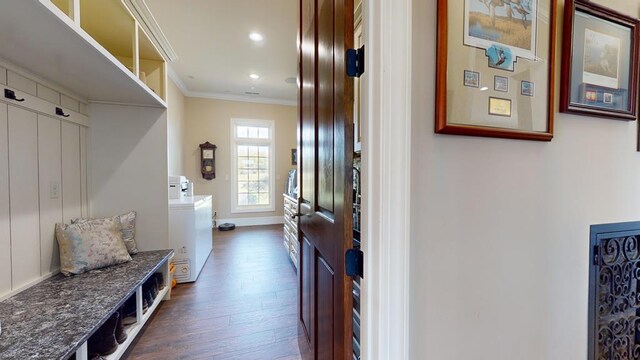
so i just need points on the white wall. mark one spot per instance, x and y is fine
(36, 152)
(500, 228)
(210, 120)
(129, 169)
(176, 118)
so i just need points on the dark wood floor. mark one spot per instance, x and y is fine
(243, 305)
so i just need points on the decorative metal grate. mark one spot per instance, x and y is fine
(614, 318)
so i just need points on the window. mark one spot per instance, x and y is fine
(253, 165)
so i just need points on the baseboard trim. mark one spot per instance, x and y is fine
(253, 221)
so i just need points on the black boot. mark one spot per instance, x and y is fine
(147, 299)
(130, 310)
(151, 286)
(121, 335)
(103, 341)
(159, 280)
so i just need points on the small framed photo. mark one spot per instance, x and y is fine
(501, 83)
(294, 156)
(527, 88)
(471, 79)
(499, 107)
(599, 61)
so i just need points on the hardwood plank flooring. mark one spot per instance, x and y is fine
(243, 305)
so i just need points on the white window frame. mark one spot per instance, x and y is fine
(271, 142)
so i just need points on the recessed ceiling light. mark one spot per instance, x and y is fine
(255, 37)
(254, 76)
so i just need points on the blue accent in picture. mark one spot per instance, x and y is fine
(500, 57)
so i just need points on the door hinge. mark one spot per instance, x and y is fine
(596, 255)
(355, 62)
(355, 263)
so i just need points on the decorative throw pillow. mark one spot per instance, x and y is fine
(128, 223)
(90, 244)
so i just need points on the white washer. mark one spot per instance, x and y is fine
(190, 235)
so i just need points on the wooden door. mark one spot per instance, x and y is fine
(326, 156)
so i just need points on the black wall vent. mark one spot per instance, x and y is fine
(614, 297)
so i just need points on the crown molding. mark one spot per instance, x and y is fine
(242, 98)
(144, 16)
(173, 75)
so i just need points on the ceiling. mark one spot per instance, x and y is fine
(216, 56)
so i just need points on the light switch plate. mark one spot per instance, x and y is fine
(54, 190)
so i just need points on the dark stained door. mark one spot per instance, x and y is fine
(326, 156)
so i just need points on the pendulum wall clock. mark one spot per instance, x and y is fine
(208, 160)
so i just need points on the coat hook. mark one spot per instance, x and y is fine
(60, 112)
(10, 94)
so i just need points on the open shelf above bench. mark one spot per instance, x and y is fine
(51, 40)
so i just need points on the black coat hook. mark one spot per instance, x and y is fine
(10, 94)
(60, 112)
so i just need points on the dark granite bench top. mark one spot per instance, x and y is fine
(52, 319)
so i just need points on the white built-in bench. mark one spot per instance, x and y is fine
(53, 319)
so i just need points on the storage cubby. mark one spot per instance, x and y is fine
(152, 70)
(95, 47)
(111, 24)
(66, 6)
(142, 315)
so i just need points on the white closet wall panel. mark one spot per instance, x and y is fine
(83, 172)
(49, 159)
(71, 180)
(5, 227)
(23, 196)
(3, 76)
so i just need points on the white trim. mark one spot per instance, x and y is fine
(386, 178)
(173, 75)
(141, 12)
(34, 103)
(242, 98)
(29, 284)
(270, 142)
(253, 221)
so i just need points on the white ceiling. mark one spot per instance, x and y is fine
(215, 54)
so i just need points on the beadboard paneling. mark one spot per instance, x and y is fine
(5, 230)
(84, 191)
(49, 160)
(24, 196)
(71, 180)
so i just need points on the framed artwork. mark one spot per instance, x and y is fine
(599, 62)
(294, 156)
(527, 88)
(471, 79)
(501, 83)
(504, 42)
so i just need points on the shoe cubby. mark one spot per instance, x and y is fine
(113, 26)
(152, 67)
(66, 6)
(98, 41)
(145, 305)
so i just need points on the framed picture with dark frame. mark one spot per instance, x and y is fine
(294, 156)
(599, 62)
(496, 44)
